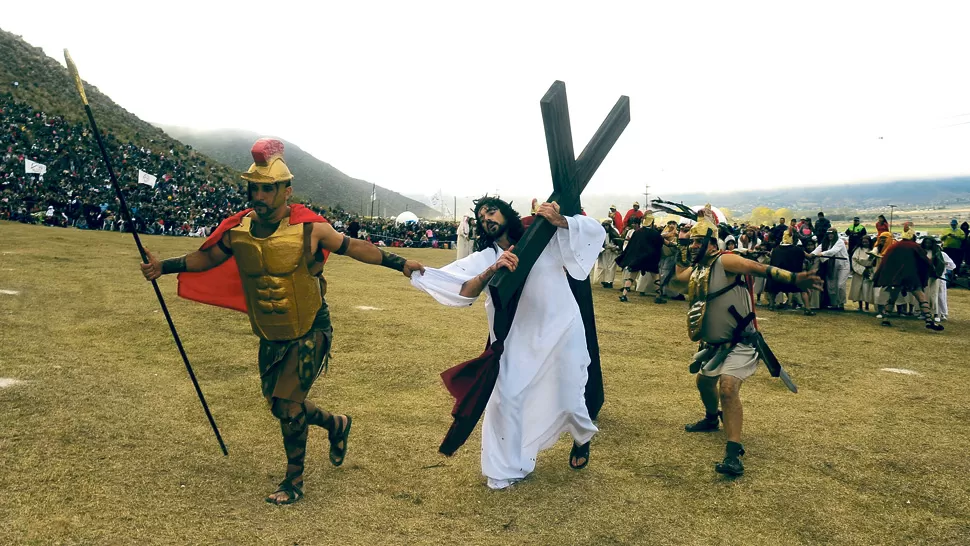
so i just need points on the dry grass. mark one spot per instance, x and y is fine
(106, 443)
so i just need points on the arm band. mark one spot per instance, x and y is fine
(173, 265)
(225, 249)
(683, 257)
(343, 246)
(392, 261)
(780, 275)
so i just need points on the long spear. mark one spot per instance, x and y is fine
(141, 250)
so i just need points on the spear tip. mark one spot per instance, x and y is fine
(72, 70)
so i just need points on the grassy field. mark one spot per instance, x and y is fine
(104, 441)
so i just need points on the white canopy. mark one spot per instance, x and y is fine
(406, 217)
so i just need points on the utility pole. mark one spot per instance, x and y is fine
(891, 209)
(373, 197)
(646, 196)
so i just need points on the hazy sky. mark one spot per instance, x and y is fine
(418, 96)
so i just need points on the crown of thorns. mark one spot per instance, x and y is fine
(487, 201)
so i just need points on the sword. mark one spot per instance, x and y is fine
(123, 205)
(767, 355)
(774, 367)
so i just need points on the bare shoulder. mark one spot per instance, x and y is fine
(321, 229)
(325, 236)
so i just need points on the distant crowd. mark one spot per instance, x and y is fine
(645, 250)
(189, 197)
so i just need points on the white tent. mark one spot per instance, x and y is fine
(406, 217)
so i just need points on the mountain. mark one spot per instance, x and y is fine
(30, 77)
(315, 179)
(850, 199)
(938, 193)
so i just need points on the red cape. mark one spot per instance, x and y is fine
(221, 286)
(630, 214)
(904, 265)
(618, 221)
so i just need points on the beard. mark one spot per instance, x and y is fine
(262, 209)
(495, 231)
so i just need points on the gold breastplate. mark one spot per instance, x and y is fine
(697, 289)
(281, 295)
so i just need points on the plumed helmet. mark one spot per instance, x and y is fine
(268, 166)
(705, 223)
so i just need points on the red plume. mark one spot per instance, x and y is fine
(265, 149)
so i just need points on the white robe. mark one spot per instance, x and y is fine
(941, 308)
(542, 376)
(838, 272)
(465, 243)
(860, 289)
(606, 264)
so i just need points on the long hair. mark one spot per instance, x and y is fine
(513, 222)
(828, 242)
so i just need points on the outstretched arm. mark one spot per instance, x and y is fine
(733, 263)
(200, 260)
(362, 251)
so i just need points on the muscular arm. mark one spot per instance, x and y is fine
(733, 263)
(360, 250)
(742, 266)
(200, 260)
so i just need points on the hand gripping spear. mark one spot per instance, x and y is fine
(141, 250)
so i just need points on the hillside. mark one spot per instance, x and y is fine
(33, 78)
(315, 179)
(941, 192)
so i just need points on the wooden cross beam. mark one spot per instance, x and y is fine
(569, 178)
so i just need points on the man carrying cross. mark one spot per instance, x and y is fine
(539, 391)
(531, 381)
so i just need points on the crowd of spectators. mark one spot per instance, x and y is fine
(189, 198)
(75, 190)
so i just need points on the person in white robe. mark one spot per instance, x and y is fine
(936, 275)
(539, 393)
(941, 293)
(605, 271)
(835, 252)
(860, 289)
(466, 244)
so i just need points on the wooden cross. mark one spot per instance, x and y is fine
(569, 177)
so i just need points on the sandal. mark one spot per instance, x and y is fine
(579, 452)
(337, 454)
(293, 493)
